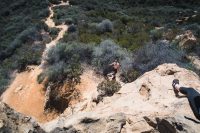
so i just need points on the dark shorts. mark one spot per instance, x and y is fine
(109, 69)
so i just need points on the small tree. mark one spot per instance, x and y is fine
(64, 63)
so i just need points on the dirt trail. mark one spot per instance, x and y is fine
(24, 94)
(51, 24)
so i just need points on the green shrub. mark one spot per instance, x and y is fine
(129, 76)
(4, 80)
(72, 28)
(125, 19)
(107, 52)
(135, 41)
(108, 88)
(68, 21)
(54, 32)
(89, 38)
(64, 63)
(135, 27)
(27, 35)
(70, 37)
(62, 14)
(62, 72)
(151, 55)
(44, 13)
(28, 55)
(156, 34)
(41, 78)
(105, 26)
(66, 51)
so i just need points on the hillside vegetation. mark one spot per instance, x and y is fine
(21, 41)
(131, 31)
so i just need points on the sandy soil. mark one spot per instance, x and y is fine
(25, 95)
(88, 85)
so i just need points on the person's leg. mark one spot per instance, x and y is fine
(106, 71)
(195, 105)
(197, 102)
(185, 90)
(193, 97)
(114, 74)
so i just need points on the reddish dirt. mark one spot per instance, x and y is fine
(89, 83)
(25, 95)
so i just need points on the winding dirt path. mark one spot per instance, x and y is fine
(51, 24)
(24, 94)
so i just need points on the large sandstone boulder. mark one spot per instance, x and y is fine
(145, 105)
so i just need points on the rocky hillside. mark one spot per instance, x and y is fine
(55, 58)
(145, 105)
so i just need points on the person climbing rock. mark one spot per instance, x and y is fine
(115, 66)
(111, 69)
(192, 95)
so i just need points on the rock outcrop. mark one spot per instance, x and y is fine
(177, 124)
(186, 40)
(94, 124)
(13, 122)
(147, 105)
